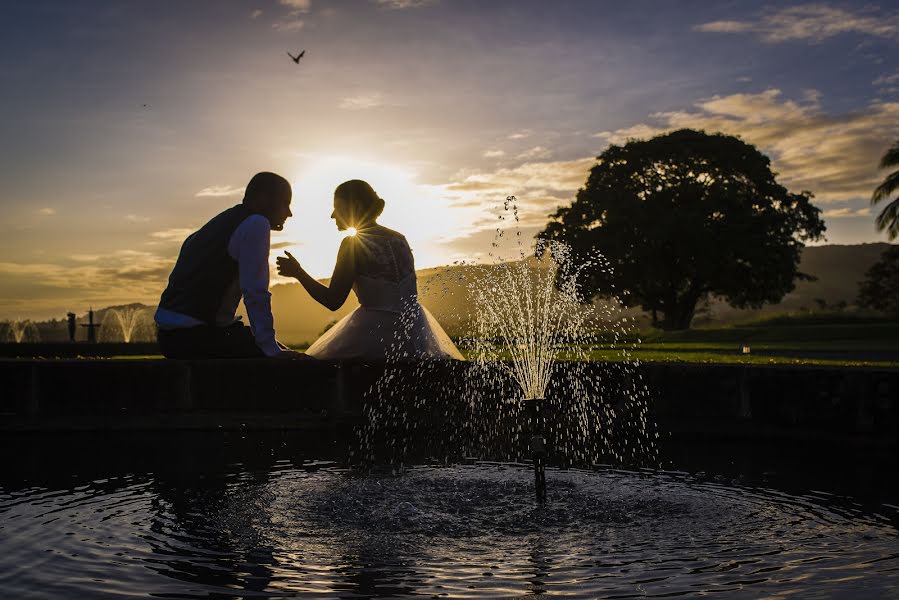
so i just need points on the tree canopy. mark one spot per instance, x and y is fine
(880, 288)
(685, 215)
(888, 218)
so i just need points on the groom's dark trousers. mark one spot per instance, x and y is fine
(207, 341)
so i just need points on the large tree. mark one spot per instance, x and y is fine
(685, 215)
(889, 217)
(880, 288)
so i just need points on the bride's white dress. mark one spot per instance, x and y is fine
(389, 322)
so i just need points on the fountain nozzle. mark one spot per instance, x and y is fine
(538, 447)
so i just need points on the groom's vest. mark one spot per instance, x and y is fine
(204, 270)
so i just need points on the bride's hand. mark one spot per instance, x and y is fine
(288, 266)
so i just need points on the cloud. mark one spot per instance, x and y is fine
(362, 101)
(887, 84)
(535, 153)
(520, 135)
(835, 156)
(120, 277)
(137, 219)
(292, 21)
(539, 187)
(842, 213)
(403, 4)
(172, 235)
(812, 22)
(724, 27)
(560, 176)
(887, 79)
(46, 211)
(256, 14)
(280, 245)
(812, 96)
(298, 6)
(638, 131)
(154, 272)
(493, 153)
(471, 186)
(289, 24)
(9, 268)
(215, 191)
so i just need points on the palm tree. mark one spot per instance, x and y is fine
(889, 218)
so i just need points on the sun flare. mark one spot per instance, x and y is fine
(422, 212)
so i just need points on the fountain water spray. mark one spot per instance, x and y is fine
(531, 340)
(529, 316)
(20, 331)
(125, 323)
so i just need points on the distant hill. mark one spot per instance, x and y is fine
(298, 318)
(838, 269)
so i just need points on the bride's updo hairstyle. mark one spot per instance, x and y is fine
(358, 202)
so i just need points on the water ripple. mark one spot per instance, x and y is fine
(471, 531)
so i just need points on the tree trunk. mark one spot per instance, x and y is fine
(679, 313)
(685, 315)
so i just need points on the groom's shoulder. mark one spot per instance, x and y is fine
(256, 224)
(255, 230)
(256, 220)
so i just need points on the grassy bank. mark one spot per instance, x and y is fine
(698, 356)
(811, 338)
(822, 339)
(793, 329)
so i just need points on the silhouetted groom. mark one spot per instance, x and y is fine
(225, 259)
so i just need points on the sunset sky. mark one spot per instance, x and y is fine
(126, 124)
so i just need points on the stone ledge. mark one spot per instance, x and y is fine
(816, 404)
(77, 349)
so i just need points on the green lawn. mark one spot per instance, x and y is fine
(697, 356)
(885, 335)
(811, 339)
(805, 339)
(810, 346)
(825, 339)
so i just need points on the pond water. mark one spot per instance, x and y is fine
(235, 516)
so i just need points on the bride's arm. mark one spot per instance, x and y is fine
(334, 295)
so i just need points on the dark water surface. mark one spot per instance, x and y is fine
(198, 515)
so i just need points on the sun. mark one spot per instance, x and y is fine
(313, 233)
(421, 212)
(351, 231)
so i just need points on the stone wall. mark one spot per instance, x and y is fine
(800, 404)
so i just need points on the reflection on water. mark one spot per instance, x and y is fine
(211, 516)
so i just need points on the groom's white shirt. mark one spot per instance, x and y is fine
(249, 245)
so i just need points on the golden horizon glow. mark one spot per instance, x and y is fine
(421, 212)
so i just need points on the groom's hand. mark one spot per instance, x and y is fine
(288, 266)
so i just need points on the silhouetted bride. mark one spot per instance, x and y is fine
(377, 264)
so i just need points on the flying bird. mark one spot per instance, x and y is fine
(296, 58)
